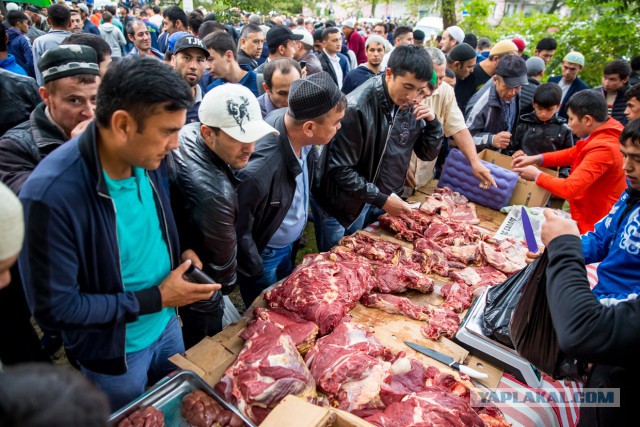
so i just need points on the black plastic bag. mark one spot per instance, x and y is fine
(532, 331)
(501, 301)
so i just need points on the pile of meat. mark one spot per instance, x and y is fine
(144, 417)
(201, 410)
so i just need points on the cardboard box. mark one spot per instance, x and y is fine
(526, 193)
(296, 412)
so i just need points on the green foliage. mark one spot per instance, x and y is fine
(230, 9)
(601, 31)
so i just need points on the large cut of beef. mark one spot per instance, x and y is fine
(396, 279)
(457, 296)
(349, 366)
(484, 275)
(443, 322)
(322, 291)
(507, 256)
(202, 410)
(452, 205)
(145, 417)
(407, 376)
(267, 369)
(432, 407)
(377, 249)
(302, 332)
(393, 304)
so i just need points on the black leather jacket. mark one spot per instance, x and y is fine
(266, 193)
(24, 146)
(18, 97)
(205, 205)
(369, 156)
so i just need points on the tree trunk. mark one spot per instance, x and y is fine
(448, 13)
(557, 4)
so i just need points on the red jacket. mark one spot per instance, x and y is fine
(355, 42)
(596, 180)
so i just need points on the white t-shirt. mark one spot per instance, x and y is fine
(565, 87)
(335, 61)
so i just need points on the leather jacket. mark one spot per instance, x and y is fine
(205, 204)
(24, 146)
(266, 194)
(18, 97)
(368, 158)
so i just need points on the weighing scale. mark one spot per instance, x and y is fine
(470, 336)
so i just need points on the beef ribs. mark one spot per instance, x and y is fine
(267, 369)
(201, 410)
(322, 291)
(431, 407)
(302, 332)
(349, 366)
(145, 417)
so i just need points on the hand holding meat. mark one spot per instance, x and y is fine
(395, 206)
(530, 173)
(176, 291)
(522, 161)
(501, 140)
(556, 226)
(423, 111)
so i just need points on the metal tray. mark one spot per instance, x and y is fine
(167, 396)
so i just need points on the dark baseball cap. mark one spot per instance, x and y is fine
(188, 42)
(279, 34)
(513, 70)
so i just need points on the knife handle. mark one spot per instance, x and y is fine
(472, 372)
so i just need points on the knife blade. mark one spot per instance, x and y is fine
(447, 360)
(529, 235)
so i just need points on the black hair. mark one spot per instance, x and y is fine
(635, 63)
(107, 16)
(221, 42)
(401, 31)
(300, 20)
(330, 23)
(589, 103)
(96, 42)
(15, 16)
(249, 29)
(619, 67)
(199, 12)
(175, 14)
(471, 39)
(143, 13)
(328, 31)
(195, 20)
(126, 9)
(274, 49)
(284, 65)
(547, 43)
(59, 15)
(39, 394)
(548, 95)
(449, 73)
(156, 9)
(633, 92)
(210, 27)
(125, 87)
(210, 17)
(130, 29)
(631, 132)
(3, 39)
(111, 9)
(386, 29)
(317, 34)
(411, 59)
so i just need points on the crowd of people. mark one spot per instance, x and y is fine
(144, 143)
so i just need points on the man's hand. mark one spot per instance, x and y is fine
(531, 256)
(80, 127)
(501, 140)
(410, 179)
(517, 154)
(195, 259)
(556, 226)
(423, 111)
(530, 173)
(176, 291)
(395, 206)
(523, 161)
(481, 172)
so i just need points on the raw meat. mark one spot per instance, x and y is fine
(457, 296)
(396, 305)
(466, 254)
(435, 260)
(492, 416)
(450, 204)
(483, 275)
(349, 365)
(302, 332)
(202, 410)
(145, 417)
(267, 369)
(407, 376)
(442, 323)
(505, 257)
(323, 291)
(397, 279)
(448, 382)
(405, 227)
(431, 407)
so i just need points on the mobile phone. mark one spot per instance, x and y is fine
(303, 64)
(198, 276)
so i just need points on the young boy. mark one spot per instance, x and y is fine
(542, 130)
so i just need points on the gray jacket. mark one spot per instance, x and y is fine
(112, 35)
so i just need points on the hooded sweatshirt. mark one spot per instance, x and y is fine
(20, 47)
(113, 36)
(596, 180)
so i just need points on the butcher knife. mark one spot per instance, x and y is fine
(447, 360)
(529, 235)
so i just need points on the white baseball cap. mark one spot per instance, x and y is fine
(307, 38)
(11, 224)
(235, 110)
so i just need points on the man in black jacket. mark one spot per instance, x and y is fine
(204, 195)
(273, 196)
(18, 97)
(362, 171)
(250, 46)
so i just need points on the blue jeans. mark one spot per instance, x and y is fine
(276, 264)
(145, 367)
